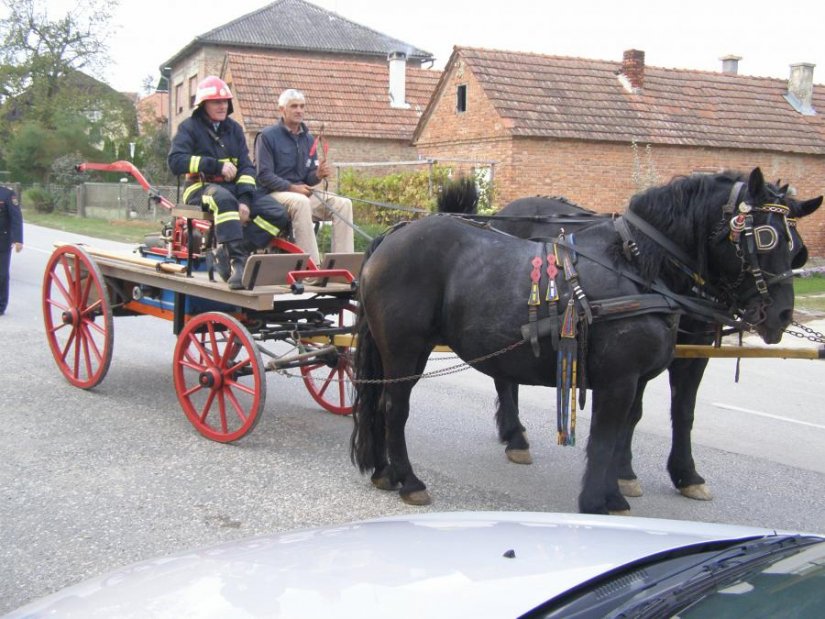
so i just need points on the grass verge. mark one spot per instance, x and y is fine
(113, 230)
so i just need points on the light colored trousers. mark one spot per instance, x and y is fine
(302, 210)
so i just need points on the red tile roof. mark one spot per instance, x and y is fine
(350, 98)
(575, 98)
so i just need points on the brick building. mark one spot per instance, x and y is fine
(351, 100)
(599, 131)
(311, 44)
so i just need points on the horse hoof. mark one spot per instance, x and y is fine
(384, 483)
(519, 456)
(699, 492)
(418, 497)
(630, 487)
(619, 512)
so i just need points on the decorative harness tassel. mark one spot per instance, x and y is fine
(566, 377)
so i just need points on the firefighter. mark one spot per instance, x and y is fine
(210, 149)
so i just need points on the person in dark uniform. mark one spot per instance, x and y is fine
(210, 149)
(11, 236)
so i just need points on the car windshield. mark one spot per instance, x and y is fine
(764, 577)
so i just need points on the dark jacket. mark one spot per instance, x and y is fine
(195, 150)
(11, 219)
(283, 158)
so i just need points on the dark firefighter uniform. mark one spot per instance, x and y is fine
(199, 151)
(11, 232)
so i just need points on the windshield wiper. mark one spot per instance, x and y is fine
(718, 570)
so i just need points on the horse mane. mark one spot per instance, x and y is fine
(459, 196)
(684, 210)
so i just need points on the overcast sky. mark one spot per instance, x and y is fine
(769, 35)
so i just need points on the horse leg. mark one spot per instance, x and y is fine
(397, 397)
(628, 482)
(611, 407)
(510, 430)
(382, 476)
(685, 376)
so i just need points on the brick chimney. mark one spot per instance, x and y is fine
(633, 67)
(398, 79)
(801, 88)
(730, 64)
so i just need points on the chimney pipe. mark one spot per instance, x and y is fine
(801, 88)
(398, 79)
(633, 67)
(730, 64)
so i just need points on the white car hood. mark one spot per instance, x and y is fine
(434, 565)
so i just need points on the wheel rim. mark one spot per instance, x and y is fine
(77, 316)
(329, 381)
(219, 377)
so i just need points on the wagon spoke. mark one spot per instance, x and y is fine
(241, 387)
(59, 285)
(86, 325)
(204, 413)
(83, 297)
(195, 388)
(227, 354)
(90, 309)
(325, 382)
(69, 341)
(222, 410)
(86, 343)
(193, 338)
(236, 405)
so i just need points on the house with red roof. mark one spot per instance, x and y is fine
(598, 131)
(365, 88)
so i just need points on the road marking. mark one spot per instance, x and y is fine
(768, 415)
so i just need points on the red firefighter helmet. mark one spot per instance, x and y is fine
(213, 88)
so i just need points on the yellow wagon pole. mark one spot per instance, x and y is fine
(691, 351)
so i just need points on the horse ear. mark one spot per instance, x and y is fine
(756, 183)
(803, 209)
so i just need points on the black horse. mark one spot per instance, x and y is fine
(537, 217)
(442, 280)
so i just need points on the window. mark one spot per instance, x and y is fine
(461, 98)
(179, 98)
(193, 90)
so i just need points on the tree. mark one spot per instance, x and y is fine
(37, 52)
(46, 89)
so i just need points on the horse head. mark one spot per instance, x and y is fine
(755, 248)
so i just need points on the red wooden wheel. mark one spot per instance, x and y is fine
(219, 377)
(77, 316)
(329, 380)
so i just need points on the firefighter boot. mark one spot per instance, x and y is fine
(238, 253)
(222, 263)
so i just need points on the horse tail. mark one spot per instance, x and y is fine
(459, 196)
(367, 416)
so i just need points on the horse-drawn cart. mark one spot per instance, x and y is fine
(227, 340)
(225, 337)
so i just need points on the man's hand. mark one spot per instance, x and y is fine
(229, 171)
(243, 212)
(324, 170)
(301, 188)
(18, 246)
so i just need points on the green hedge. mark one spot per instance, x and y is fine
(39, 199)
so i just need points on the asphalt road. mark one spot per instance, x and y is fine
(92, 480)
